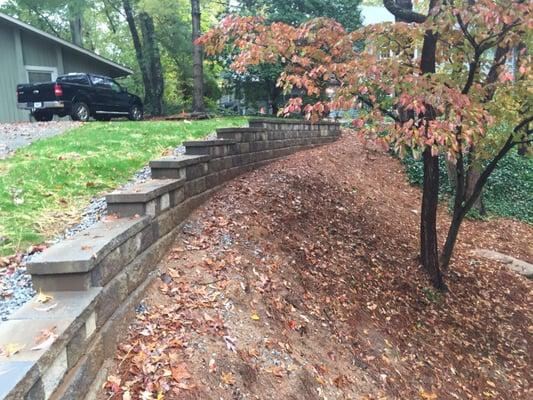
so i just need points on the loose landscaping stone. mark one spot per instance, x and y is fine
(519, 266)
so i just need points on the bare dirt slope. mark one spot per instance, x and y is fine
(300, 281)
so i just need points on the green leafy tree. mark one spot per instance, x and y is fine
(260, 81)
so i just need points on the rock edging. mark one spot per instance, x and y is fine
(96, 278)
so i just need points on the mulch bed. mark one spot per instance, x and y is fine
(301, 281)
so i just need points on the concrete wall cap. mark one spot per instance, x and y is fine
(204, 143)
(290, 122)
(84, 250)
(180, 161)
(241, 130)
(144, 192)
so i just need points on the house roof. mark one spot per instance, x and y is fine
(64, 43)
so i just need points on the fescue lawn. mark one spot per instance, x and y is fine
(44, 186)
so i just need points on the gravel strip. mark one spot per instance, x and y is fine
(16, 135)
(17, 287)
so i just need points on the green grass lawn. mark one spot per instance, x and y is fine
(44, 186)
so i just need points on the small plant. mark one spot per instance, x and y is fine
(432, 295)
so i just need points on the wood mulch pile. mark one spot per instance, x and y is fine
(300, 281)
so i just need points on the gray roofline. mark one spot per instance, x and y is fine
(64, 43)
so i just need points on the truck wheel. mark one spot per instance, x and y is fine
(80, 112)
(136, 113)
(42, 116)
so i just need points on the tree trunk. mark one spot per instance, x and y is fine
(451, 169)
(451, 238)
(75, 12)
(464, 203)
(152, 61)
(198, 58)
(472, 177)
(429, 253)
(128, 11)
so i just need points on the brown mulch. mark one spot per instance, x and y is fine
(300, 281)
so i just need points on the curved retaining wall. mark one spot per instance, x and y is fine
(96, 278)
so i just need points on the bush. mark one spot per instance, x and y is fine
(508, 192)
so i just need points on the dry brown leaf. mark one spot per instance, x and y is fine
(180, 372)
(227, 378)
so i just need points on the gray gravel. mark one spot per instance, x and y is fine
(20, 134)
(19, 289)
(19, 284)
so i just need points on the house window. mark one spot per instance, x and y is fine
(41, 74)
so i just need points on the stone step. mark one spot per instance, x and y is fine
(174, 167)
(148, 198)
(213, 148)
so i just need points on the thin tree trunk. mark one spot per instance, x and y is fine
(452, 174)
(460, 210)
(198, 57)
(152, 60)
(75, 12)
(126, 4)
(474, 172)
(76, 31)
(429, 253)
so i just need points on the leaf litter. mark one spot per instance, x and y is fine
(318, 295)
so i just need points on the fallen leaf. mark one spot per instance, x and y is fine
(43, 298)
(180, 372)
(227, 378)
(11, 349)
(427, 395)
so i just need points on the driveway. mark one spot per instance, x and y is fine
(20, 134)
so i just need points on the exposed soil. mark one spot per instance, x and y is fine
(300, 281)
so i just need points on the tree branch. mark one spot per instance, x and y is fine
(45, 20)
(472, 72)
(492, 165)
(383, 110)
(402, 13)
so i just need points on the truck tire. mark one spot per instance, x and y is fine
(136, 113)
(80, 112)
(43, 116)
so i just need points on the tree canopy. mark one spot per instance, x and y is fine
(438, 83)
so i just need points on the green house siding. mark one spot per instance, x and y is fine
(75, 62)
(38, 52)
(10, 74)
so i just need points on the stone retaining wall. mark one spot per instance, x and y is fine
(96, 279)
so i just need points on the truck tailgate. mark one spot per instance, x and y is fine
(36, 92)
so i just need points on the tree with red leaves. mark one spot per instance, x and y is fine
(432, 83)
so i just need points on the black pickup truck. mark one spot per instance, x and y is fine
(80, 96)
